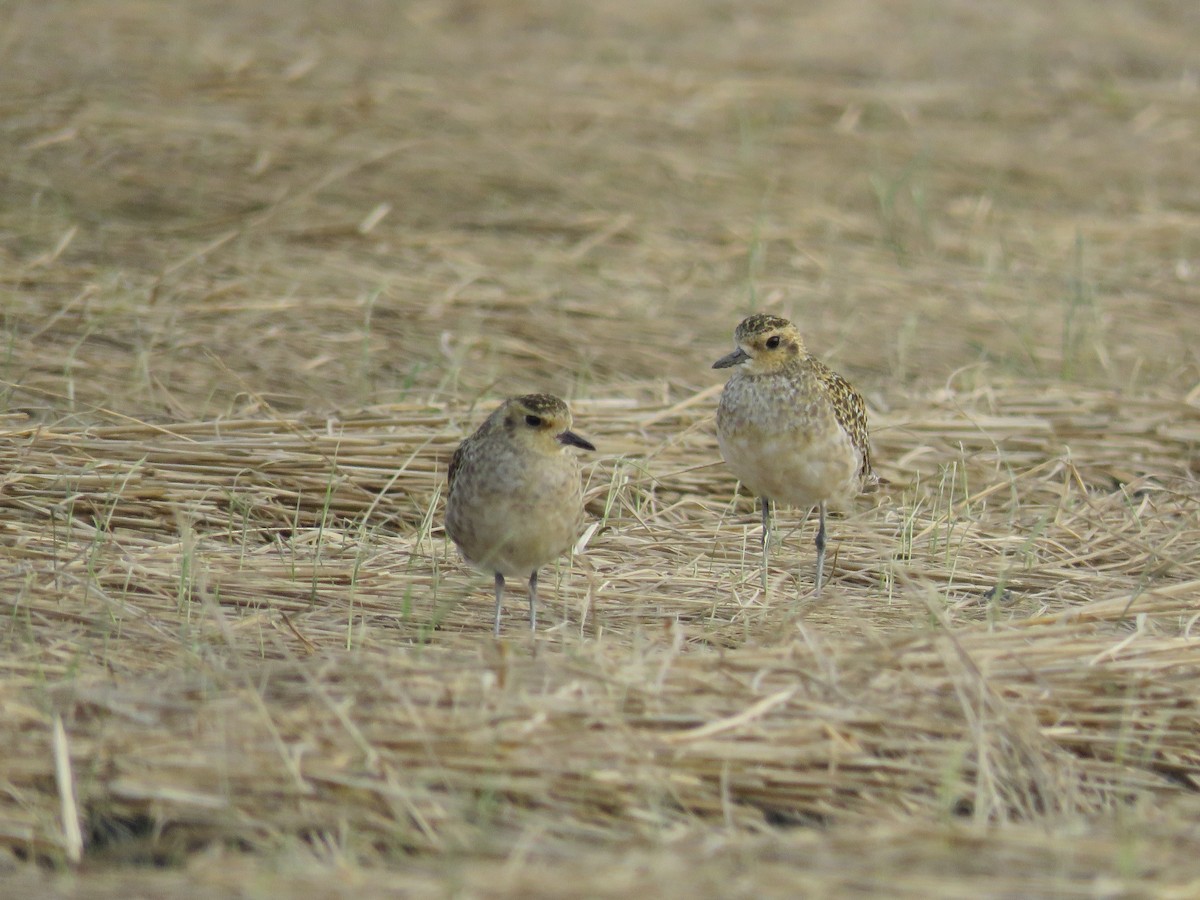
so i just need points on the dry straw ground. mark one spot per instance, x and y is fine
(263, 265)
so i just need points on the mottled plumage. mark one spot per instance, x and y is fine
(515, 501)
(791, 429)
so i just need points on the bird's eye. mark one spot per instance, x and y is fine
(533, 421)
(773, 342)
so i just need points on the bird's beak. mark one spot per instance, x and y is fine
(571, 439)
(736, 358)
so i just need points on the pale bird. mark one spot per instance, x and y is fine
(791, 429)
(515, 502)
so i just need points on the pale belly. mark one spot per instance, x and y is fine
(515, 545)
(795, 468)
(516, 524)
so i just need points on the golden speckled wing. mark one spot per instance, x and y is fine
(850, 411)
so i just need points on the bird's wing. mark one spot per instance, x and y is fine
(456, 462)
(850, 410)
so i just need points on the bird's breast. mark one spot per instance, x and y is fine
(782, 440)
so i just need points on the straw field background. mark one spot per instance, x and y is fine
(263, 265)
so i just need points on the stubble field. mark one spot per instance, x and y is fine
(262, 267)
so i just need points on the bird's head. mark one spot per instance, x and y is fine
(541, 421)
(765, 344)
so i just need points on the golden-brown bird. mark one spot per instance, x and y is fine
(791, 429)
(515, 501)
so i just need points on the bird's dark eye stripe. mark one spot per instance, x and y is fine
(773, 341)
(533, 421)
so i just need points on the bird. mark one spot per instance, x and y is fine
(515, 502)
(792, 430)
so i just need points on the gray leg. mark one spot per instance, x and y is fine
(821, 549)
(533, 600)
(766, 538)
(499, 597)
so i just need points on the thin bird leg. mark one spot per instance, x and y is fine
(533, 600)
(766, 538)
(821, 549)
(499, 597)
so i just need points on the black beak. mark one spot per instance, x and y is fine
(737, 357)
(571, 439)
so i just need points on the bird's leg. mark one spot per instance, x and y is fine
(821, 548)
(499, 597)
(766, 538)
(533, 600)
